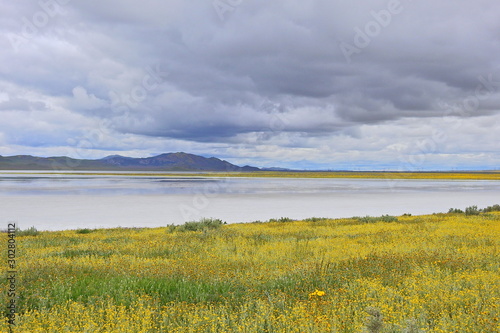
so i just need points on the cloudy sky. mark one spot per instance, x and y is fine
(319, 84)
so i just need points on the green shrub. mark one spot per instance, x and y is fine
(201, 225)
(366, 219)
(373, 219)
(388, 218)
(472, 210)
(282, 219)
(316, 219)
(84, 231)
(28, 232)
(494, 208)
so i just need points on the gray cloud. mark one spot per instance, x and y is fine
(216, 78)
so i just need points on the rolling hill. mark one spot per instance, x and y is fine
(164, 162)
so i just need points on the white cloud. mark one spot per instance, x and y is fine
(84, 101)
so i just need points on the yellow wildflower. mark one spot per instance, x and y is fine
(318, 293)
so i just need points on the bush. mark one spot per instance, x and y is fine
(201, 225)
(472, 210)
(282, 219)
(83, 231)
(494, 208)
(388, 218)
(373, 219)
(28, 232)
(316, 219)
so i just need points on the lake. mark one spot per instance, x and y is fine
(66, 201)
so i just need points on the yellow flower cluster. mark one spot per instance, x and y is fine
(440, 272)
(317, 292)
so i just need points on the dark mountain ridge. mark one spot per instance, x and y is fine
(164, 162)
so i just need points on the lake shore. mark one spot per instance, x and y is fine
(463, 175)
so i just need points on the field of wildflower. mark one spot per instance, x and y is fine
(432, 273)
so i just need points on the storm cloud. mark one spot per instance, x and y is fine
(393, 84)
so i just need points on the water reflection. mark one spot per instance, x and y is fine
(77, 201)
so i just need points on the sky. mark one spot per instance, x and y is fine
(332, 85)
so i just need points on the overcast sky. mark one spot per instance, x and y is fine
(320, 84)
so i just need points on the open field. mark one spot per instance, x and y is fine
(433, 273)
(472, 175)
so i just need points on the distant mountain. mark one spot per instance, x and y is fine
(163, 162)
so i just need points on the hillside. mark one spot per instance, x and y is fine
(164, 162)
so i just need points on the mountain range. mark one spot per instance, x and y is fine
(164, 162)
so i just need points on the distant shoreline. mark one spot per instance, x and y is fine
(433, 175)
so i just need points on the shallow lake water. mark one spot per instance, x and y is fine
(57, 202)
